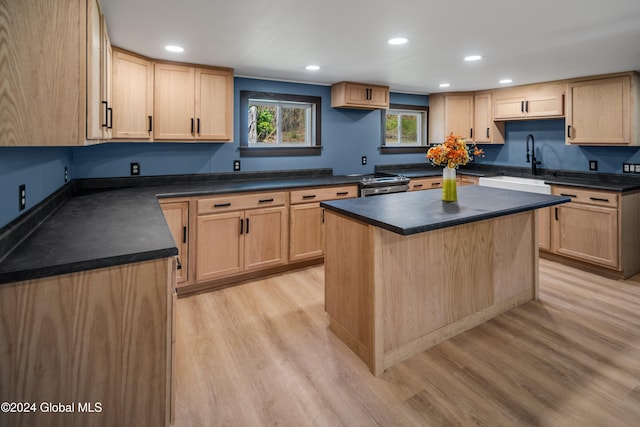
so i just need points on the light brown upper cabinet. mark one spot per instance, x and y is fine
(465, 114)
(485, 130)
(458, 115)
(450, 113)
(132, 85)
(359, 95)
(604, 111)
(44, 98)
(99, 70)
(193, 103)
(530, 102)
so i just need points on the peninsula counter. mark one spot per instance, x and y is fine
(406, 271)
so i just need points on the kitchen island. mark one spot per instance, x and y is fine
(406, 271)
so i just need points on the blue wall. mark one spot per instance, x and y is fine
(552, 151)
(347, 135)
(40, 169)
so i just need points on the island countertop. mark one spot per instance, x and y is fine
(419, 211)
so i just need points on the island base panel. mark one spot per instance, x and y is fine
(390, 296)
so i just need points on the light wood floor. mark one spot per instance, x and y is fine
(261, 354)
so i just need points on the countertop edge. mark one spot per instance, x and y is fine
(85, 265)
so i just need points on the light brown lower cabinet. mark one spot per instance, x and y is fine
(98, 339)
(176, 213)
(587, 231)
(544, 228)
(306, 230)
(243, 237)
(597, 227)
(306, 219)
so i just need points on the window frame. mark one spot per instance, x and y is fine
(393, 149)
(249, 150)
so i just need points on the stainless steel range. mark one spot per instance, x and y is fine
(382, 183)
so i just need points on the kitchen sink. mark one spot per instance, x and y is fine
(532, 185)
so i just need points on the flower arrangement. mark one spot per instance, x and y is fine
(453, 152)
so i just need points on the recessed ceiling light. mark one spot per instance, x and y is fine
(173, 48)
(473, 58)
(445, 84)
(398, 40)
(505, 81)
(312, 67)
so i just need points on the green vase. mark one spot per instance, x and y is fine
(449, 186)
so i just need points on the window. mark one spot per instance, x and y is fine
(404, 129)
(279, 124)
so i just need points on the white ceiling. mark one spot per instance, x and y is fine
(527, 41)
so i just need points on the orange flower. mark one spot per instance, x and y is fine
(452, 153)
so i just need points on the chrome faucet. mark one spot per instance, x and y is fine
(532, 157)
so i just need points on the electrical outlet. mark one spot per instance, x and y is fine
(626, 168)
(22, 197)
(135, 168)
(593, 165)
(637, 170)
(364, 160)
(66, 174)
(236, 165)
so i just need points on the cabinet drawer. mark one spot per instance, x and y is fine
(592, 197)
(320, 194)
(425, 183)
(235, 202)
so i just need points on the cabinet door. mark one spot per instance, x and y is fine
(379, 97)
(177, 216)
(306, 235)
(106, 70)
(544, 228)
(219, 245)
(96, 110)
(214, 104)
(508, 108)
(588, 233)
(482, 119)
(132, 96)
(459, 116)
(356, 94)
(265, 238)
(544, 106)
(173, 102)
(598, 112)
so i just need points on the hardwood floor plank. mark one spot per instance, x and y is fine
(261, 353)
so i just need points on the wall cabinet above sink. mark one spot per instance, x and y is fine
(529, 102)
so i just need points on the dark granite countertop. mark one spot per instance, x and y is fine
(419, 211)
(591, 180)
(112, 222)
(100, 223)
